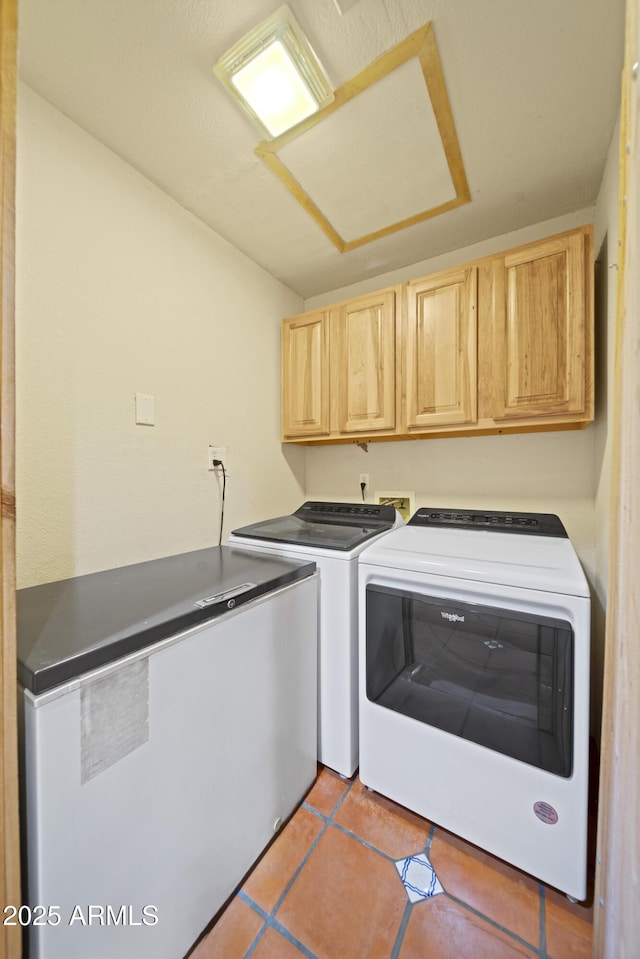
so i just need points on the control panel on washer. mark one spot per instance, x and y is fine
(536, 524)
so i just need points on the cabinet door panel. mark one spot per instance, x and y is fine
(363, 364)
(542, 353)
(441, 348)
(305, 375)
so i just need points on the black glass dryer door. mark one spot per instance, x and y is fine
(496, 677)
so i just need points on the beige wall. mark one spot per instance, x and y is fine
(420, 268)
(120, 290)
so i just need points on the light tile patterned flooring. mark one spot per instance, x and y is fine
(328, 888)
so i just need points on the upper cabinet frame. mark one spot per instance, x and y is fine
(499, 345)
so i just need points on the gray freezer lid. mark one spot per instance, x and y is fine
(71, 626)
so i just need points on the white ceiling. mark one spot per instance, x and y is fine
(384, 144)
(533, 87)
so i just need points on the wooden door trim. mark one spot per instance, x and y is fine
(617, 890)
(10, 936)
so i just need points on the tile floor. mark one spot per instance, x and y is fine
(328, 888)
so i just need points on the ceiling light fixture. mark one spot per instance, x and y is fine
(275, 75)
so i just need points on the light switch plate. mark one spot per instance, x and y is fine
(145, 409)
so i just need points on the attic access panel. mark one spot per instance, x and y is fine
(383, 155)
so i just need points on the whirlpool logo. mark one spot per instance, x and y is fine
(452, 617)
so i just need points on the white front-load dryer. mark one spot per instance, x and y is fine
(474, 683)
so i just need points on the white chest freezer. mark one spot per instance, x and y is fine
(169, 727)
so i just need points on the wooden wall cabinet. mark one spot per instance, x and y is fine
(500, 345)
(305, 376)
(363, 364)
(440, 354)
(538, 330)
(339, 371)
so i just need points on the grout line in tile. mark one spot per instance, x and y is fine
(404, 922)
(385, 855)
(254, 905)
(299, 869)
(496, 925)
(254, 945)
(328, 820)
(367, 845)
(284, 932)
(270, 922)
(350, 784)
(543, 922)
(263, 915)
(316, 812)
(429, 842)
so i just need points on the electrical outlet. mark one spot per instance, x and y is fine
(364, 478)
(217, 453)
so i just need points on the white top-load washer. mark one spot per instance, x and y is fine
(474, 683)
(332, 535)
